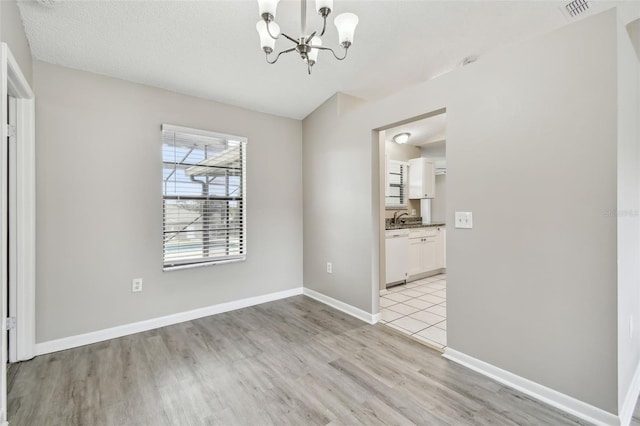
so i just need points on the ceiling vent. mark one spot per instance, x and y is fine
(575, 8)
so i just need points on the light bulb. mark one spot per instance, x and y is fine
(268, 8)
(401, 138)
(266, 41)
(313, 53)
(346, 25)
(324, 7)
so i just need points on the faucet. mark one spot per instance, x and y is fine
(396, 217)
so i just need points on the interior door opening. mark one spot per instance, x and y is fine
(17, 218)
(413, 284)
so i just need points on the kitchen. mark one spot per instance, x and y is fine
(413, 294)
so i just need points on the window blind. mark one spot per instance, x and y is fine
(204, 197)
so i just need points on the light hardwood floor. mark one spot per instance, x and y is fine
(293, 361)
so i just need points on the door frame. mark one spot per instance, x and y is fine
(13, 82)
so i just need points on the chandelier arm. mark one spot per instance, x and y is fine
(310, 37)
(290, 38)
(334, 53)
(324, 25)
(269, 31)
(278, 57)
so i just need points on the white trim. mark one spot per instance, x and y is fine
(341, 306)
(26, 230)
(137, 327)
(4, 231)
(23, 295)
(12, 81)
(629, 404)
(542, 393)
(199, 132)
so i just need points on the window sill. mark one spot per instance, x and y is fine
(201, 264)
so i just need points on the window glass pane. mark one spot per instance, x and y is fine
(204, 197)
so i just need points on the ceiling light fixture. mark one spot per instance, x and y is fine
(401, 137)
(307, 45)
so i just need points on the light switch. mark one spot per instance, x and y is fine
(464, 220)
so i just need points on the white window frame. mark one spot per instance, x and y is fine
(239, 258)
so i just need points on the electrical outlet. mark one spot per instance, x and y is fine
(136, 285)
(464, 220)
(329, 268)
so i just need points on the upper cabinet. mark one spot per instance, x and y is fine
(396, 184)
(422, 178)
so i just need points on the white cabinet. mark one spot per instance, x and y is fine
(422, 178)
(426, 250)
(415, 256)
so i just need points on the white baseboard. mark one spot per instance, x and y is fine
(542, 393)
(629, 404)
(137, 327)
(341, 306)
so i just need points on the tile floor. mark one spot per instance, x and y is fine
(418, 309)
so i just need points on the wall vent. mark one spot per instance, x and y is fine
(576, 7)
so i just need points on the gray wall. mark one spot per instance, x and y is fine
(12, 33)
(99, 203)
(628, 207)
(532, 288)
(337, 206)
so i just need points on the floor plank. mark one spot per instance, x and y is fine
(293, 361)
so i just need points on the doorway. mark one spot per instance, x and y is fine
(17, 218)
(412, 293)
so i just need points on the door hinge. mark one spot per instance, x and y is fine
(11, 131)
(11, 323)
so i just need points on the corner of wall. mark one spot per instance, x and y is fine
(13, 33)
(628, 206)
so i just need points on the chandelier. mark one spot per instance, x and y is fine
(308, 45)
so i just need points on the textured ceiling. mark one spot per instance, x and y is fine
(210, 49)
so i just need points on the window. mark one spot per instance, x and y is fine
(396, 190)
(204, 197)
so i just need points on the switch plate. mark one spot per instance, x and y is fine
(464, 220)
(136, 285)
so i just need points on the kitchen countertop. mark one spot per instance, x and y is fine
(413, 225)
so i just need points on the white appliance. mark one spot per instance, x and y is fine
(396, 256)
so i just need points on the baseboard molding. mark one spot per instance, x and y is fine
(542, 393)
(629, 404)
(341, 306)
(137, 327)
